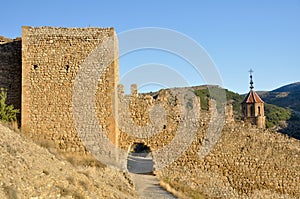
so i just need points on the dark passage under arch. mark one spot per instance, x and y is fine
(140, 159)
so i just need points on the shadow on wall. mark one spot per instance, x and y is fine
(140, 159)
(11, 70)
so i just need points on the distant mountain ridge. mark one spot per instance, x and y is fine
(294, 87)
(287, 96)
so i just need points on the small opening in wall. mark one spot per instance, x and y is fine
(67, 68)
(35, 67)
(252, 110)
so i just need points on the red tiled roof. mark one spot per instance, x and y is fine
(252, 97)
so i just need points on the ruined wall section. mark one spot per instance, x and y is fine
(135, 125)
(246, 162)
(10, 69)
(51, 59)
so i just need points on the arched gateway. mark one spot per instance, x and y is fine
(140, 159)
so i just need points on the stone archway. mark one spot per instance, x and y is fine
(140, 159)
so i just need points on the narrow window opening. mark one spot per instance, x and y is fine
(67, 68)
(252, 110)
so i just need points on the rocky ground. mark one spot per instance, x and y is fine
(28, 170)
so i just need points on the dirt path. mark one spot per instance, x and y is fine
(148, 187)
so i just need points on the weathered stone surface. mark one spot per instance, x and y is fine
(246, 162)
(51, 60)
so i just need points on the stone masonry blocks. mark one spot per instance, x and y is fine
(51, 59)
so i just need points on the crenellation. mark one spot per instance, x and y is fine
(134, 90)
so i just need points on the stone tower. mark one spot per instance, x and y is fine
(52, 59)
(253, 107)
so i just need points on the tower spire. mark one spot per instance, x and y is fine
(251, 81)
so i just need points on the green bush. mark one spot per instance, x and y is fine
(7, 112)
(204, 95)
(235, 98)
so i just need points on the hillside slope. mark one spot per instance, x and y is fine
(286, 96)
(28, 170)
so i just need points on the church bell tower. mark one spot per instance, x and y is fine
(253, 107)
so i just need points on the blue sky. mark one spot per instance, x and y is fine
(238, 35)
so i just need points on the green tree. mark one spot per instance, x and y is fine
(7, 112)
(275, 114)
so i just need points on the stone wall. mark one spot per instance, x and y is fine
(167, 121)
(10, 69)
(151, 120)
(247, 162)
(51, 60)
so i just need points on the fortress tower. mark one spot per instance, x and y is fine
(52, 59)
(253, 107)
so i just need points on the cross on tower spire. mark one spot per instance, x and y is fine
(251, 81)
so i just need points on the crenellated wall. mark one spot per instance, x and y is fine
(245, 162)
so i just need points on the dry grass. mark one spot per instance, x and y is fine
(10, 192)
(75, 158)
(45, 144)
(182, 190)
(65, 192)
(83, 160)
(14, 126)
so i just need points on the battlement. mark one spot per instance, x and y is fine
(48, 62)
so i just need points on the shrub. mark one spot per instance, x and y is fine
(7, 112)
(204, 95)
